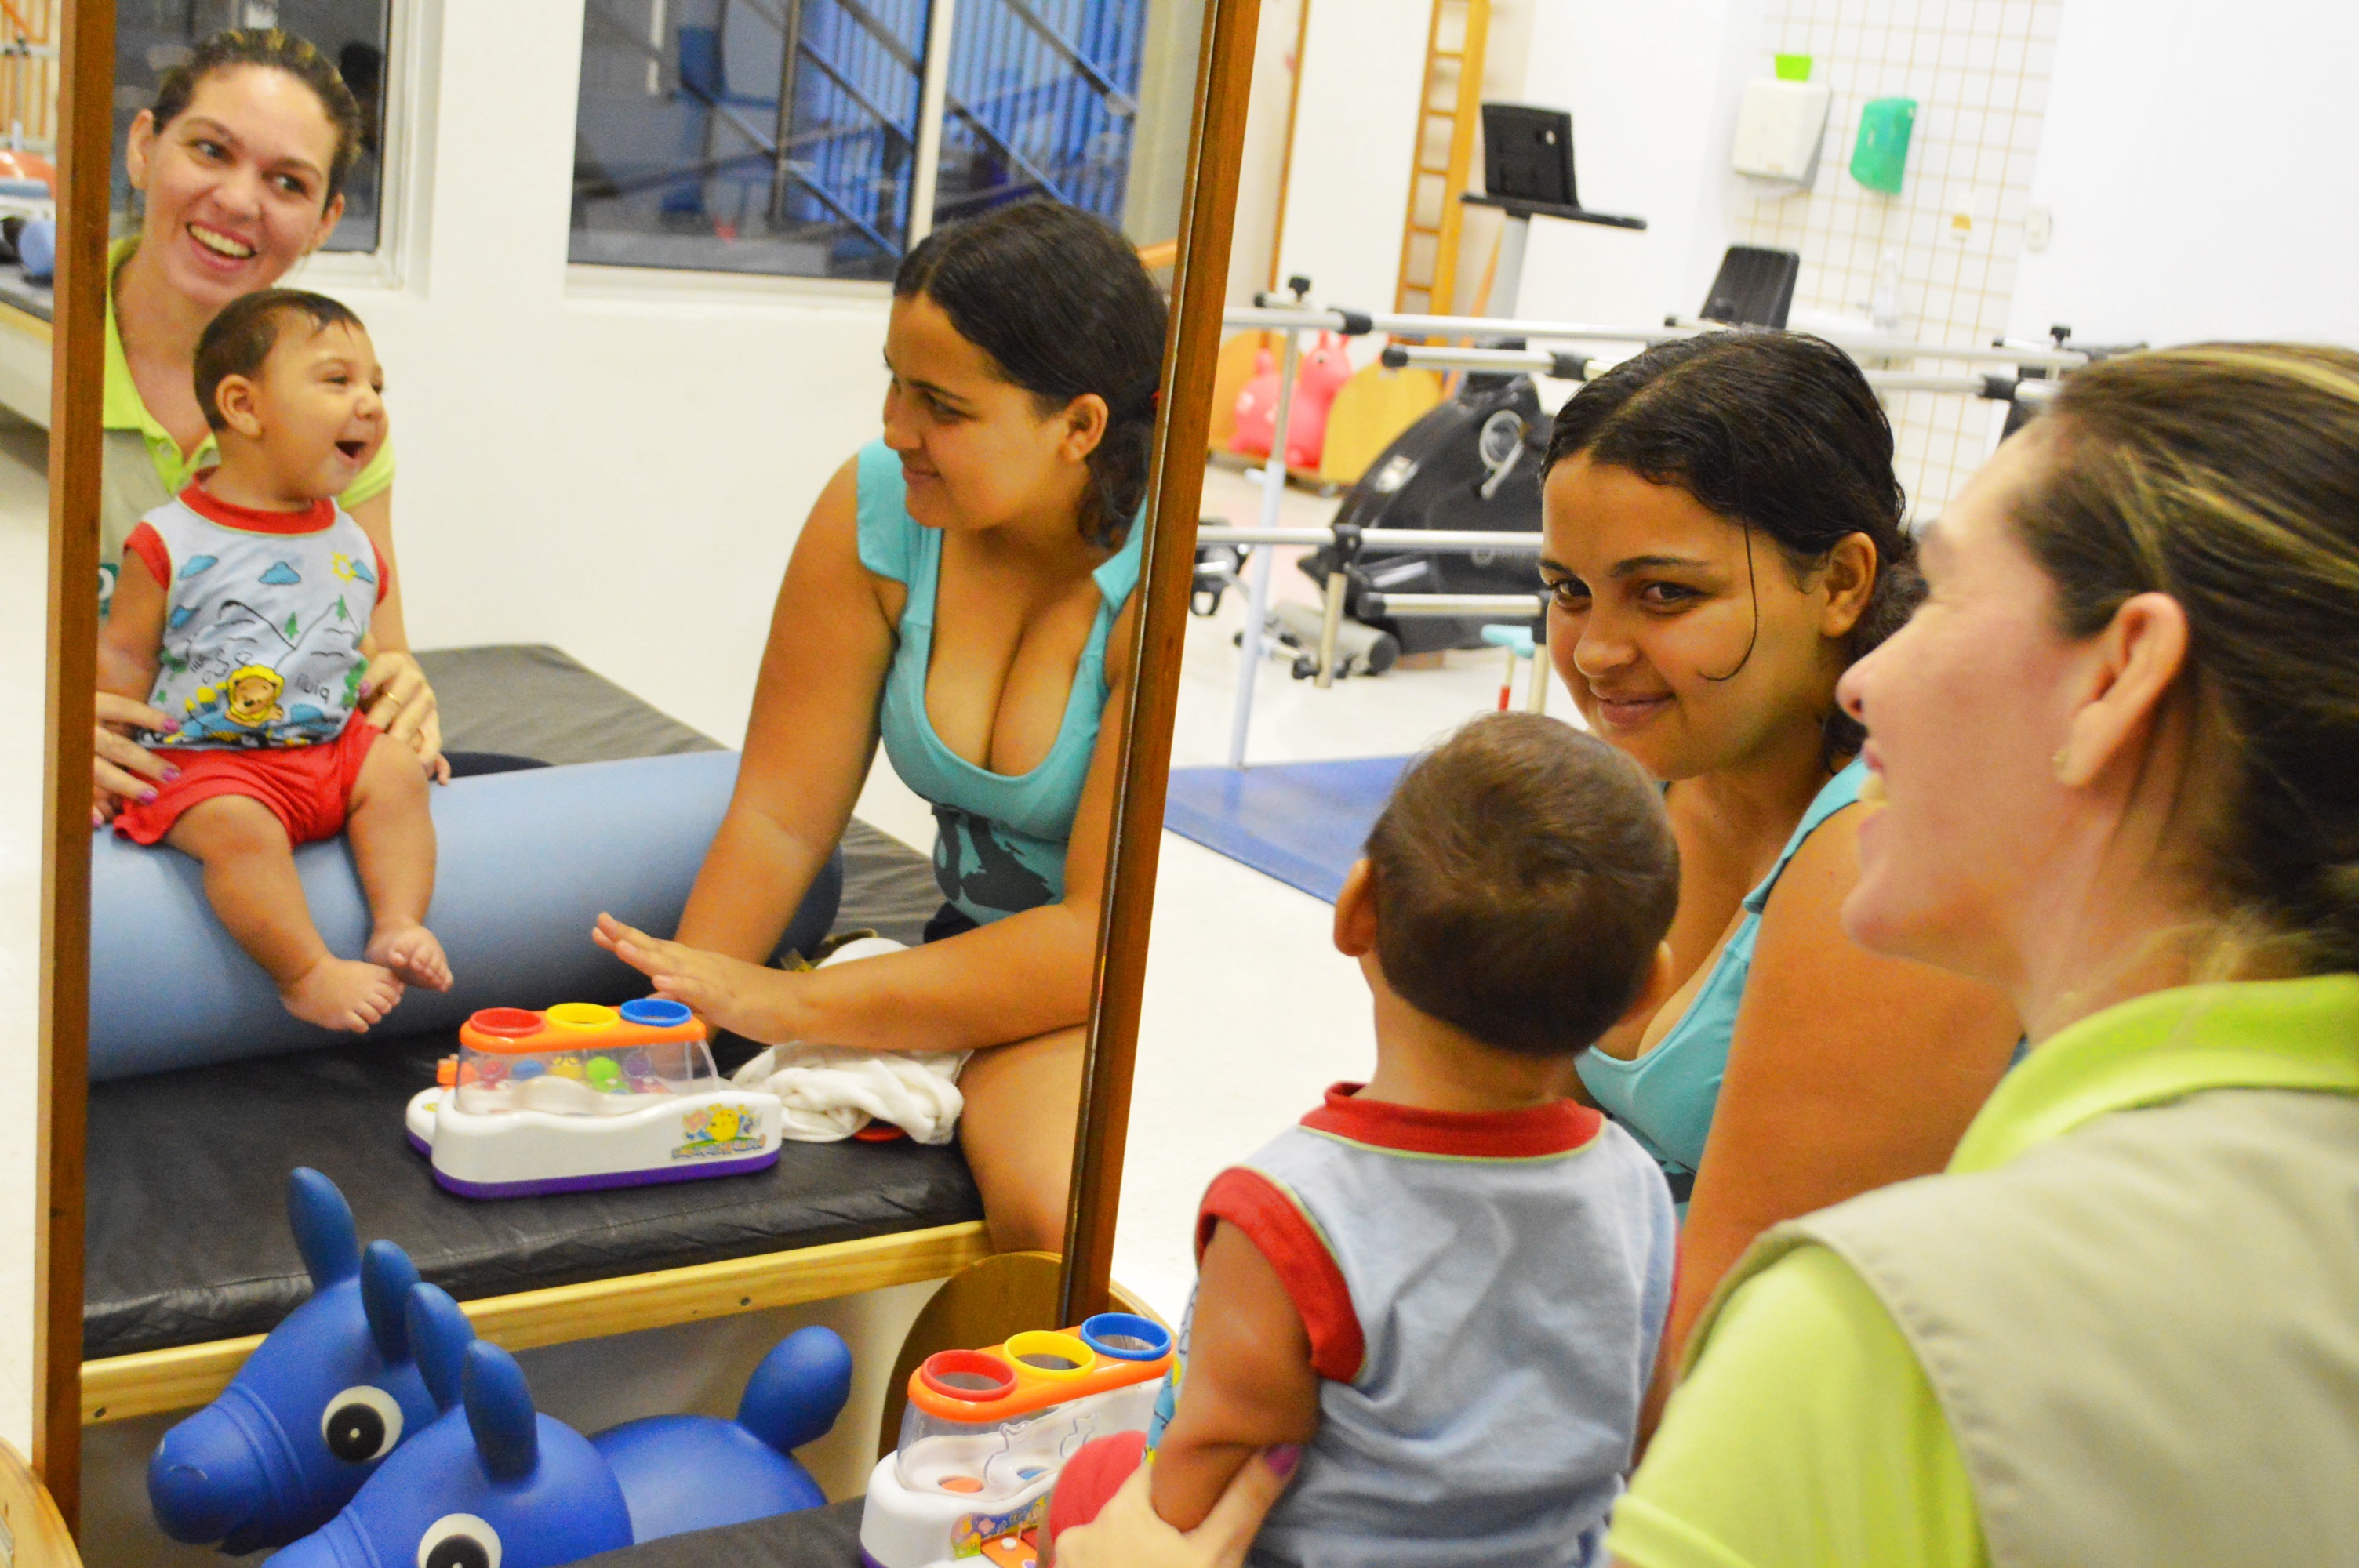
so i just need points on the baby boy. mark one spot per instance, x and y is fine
(240, 609)
(1447, 1283)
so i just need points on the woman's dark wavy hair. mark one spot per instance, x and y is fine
(272, 49)
(1059, 300)
(1781, 434)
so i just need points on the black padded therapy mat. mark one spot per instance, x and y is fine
(187, 1173)
(816, 1538)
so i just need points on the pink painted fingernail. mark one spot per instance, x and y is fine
(1283, 1458)
(147, 797)
(170, 727)
(171, 773)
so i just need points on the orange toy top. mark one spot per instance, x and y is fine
(1039, 1369)
(579, 1026)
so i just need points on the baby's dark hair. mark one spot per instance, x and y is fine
(1524, 875)
(241, 337)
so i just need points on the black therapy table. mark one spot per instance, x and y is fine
(189, 1252)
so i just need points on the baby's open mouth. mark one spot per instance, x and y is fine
(352, 449)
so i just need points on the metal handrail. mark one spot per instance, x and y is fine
(1351, 323)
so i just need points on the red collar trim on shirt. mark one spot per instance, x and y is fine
(320, 515)
(1557, 1128)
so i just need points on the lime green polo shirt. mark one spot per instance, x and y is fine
(125, 411)
(1805, 1431)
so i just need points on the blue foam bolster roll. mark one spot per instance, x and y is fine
(524, 863)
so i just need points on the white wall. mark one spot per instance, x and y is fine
(1652, 90)
(2195, 166)
(1353, 133)
(617, 470)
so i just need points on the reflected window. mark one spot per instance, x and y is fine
(151, 37)
(797, 136)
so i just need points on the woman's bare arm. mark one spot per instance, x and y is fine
(1249, 1385)
(128, 645)
(1848, 1072)
(808, 744)
(1010, 980)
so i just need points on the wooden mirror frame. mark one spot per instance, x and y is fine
(85, 159)
(1199, 290)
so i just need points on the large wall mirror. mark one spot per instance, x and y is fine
(627, 270)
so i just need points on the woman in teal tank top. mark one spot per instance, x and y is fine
(1723, 540)
(961, 591)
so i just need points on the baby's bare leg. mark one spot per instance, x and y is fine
(392, 837)
(251, 883)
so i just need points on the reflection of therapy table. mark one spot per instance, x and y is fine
(25, 310)
(189, 1255)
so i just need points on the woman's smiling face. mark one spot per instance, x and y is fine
(1685, 641)
(975, 450)
(236, 187)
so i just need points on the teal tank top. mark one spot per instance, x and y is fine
(999, 839)
(1665, 1096)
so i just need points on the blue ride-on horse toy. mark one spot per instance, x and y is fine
(492, 1483)
(314, 1410)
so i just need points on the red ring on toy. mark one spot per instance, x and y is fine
(507, 1023)
(943, 1365)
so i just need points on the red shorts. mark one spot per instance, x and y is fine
(306, 787)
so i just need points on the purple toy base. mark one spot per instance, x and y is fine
(591, 1184)
(868, 1562)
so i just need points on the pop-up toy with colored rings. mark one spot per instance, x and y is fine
(580, 1097)
(987, 1433)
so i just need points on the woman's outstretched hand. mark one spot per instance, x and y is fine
(728, 993)
(1129, 1534)
(398, 700)
(121, 769)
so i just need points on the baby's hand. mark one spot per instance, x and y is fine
(728, 993)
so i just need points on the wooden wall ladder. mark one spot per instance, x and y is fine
(1448, 120)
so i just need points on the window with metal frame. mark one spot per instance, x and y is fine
(822, 138)
(151, 37)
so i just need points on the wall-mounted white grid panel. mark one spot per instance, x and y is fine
(1979, 70)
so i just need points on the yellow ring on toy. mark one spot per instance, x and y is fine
(1049, 1346)
(581, 1015)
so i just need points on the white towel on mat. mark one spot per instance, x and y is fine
(830, 1092)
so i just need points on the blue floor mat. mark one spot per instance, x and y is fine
(1302, 823)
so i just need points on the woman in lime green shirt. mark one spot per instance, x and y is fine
(240, 166)
(2115, 773)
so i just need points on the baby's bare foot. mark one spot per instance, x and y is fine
(340, 993)
(411, 952)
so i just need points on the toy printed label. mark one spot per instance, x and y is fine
(717, 1130)
(974, 1531)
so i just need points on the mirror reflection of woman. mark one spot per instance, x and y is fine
(961, 591)
(241, 167)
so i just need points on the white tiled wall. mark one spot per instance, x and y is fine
(1979, 70)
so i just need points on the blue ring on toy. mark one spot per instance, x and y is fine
(1099, 1332)
(656, 1013)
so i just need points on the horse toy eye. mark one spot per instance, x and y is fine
(362, 1423)
(459, 1540)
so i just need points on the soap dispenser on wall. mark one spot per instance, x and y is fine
(1781, 125)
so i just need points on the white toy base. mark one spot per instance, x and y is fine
(627, 1140)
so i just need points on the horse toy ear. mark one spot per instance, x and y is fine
(439, 1336)
(322, 1222)
(795, 1395)
(386, 1274)
(500, 1412)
